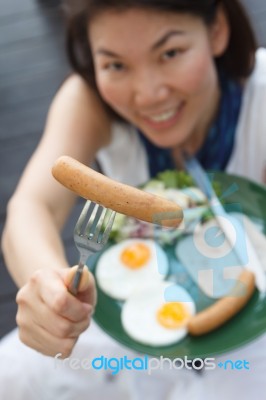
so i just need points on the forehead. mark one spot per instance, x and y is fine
(116, 26)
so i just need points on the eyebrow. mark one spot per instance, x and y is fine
(155, 46)
(166, 37)
(108, 53)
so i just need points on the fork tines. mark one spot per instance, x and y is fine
(95, 222)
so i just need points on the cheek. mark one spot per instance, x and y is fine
(112, 93)
(198, 74)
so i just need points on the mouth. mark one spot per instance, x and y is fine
(164, 119)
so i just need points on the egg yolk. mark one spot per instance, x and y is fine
(173, 315)
(135, 256)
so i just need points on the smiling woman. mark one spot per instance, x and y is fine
(187, 52)
(158, 81)
(152, 79)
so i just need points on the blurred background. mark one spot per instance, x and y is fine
(32, 67)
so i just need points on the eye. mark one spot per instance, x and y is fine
(170, 54)
(115, 66)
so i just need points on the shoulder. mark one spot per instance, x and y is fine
(260, 65)
(78, 104)
(258, 76)
(255, 86)
(261, 58)
(249, 153)
(76, 88)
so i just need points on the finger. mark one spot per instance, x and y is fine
(88, 294)
(54, 293)
(87, 288)
(85, 278)
(39, 339)
(57, 325)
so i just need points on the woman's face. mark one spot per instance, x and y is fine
(157, 71)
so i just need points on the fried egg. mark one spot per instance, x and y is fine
(157, 315)
(130, 264)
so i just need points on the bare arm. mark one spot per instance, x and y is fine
(49, 318)
(76, 126)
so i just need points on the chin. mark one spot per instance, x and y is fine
(166, 139)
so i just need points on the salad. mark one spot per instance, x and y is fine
(178, 187)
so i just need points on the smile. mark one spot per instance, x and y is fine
(164, 119)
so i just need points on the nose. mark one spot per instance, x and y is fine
(150, 88)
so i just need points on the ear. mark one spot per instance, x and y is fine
(219, 33)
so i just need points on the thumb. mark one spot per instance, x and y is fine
(84, 281)
(86, 289)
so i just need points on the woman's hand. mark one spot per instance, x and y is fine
(50, 319)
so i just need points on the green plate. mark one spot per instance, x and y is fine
(243, 328)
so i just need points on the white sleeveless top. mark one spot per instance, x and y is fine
(125, 159)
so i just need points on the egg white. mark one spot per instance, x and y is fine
(119, 281)
(139, 314)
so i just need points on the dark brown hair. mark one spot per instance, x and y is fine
(237, 61)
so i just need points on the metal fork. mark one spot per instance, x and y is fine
(91, 233)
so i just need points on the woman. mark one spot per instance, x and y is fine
(152, 79)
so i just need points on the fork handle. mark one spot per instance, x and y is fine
(74, 285)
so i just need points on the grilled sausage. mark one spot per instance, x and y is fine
(225, 308)
(117, 196)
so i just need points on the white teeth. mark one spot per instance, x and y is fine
(163, 117)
